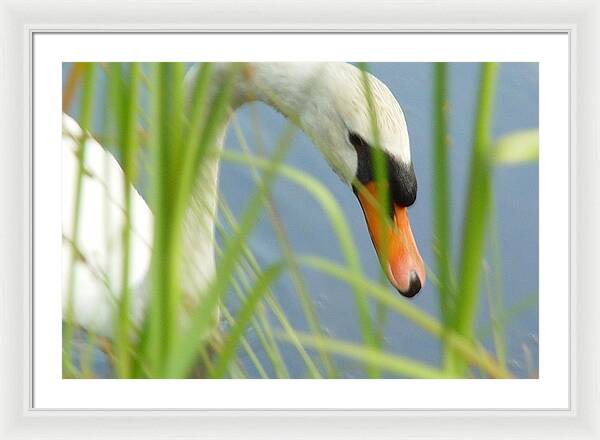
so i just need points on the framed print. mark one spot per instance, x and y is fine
(316, 94)
(384, 227)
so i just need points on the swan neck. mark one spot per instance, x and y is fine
(279, 85)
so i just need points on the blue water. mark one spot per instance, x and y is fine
(515, 192)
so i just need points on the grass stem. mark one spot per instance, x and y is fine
(477, 207)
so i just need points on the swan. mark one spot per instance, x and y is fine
(328, 102)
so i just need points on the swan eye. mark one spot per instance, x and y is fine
(400, 176)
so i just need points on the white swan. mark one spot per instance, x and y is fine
(330, 104)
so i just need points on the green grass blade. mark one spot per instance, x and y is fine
(85, 124)
(496, 303)
(517, 148)
(441, 204)
(441, 194)
(477, 209)
(128, 142)
(378, 359)
(205, 129)
(203, 113)
(243, 318)
(151, 340)
(175, 144)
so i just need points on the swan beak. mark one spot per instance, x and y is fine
(394, 243)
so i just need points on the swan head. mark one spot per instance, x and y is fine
(329, 102)
(353, 134)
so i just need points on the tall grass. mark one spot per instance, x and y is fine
(179, 337)
(441, 203)
(125, 102)
(478, 205)
(85, 120)
(477, 211)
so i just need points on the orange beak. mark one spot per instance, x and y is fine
(394, 243)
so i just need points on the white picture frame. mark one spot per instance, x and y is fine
(580, 19)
